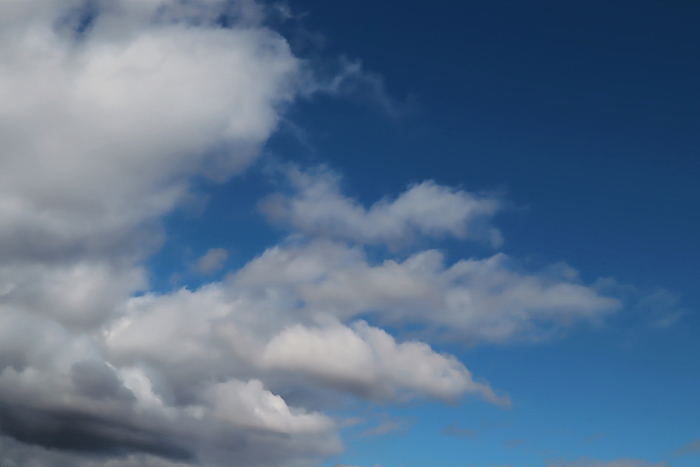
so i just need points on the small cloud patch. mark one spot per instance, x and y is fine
(211, 262)
(456, 432)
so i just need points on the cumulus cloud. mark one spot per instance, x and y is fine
(103, 133)
(194, 335)
(57, 392)
(368, 361)
(250, 404)
(78, 294)
(109, 110)
(317, 207)
(481, 299)
(289, 319)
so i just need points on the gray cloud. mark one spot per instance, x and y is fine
(691, 448)
(453, 430)
(212, 261)
(83, 432)
(478, 299)
(513, 443)
(586, 462)
(388, 425)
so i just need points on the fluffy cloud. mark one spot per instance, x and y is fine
(368, 361)
(56, 391)
(289, 320)
(103, 129)
(218, 331)
(80, 294)
(480, 299)
(107, 115)
(250, 404)
(317, 207)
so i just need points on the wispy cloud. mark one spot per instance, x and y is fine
(513, 443)
(212, 261)
(586, 462)
(388, 425)
(692, 447)
(453, 430)
(595, 437)
(345, 77)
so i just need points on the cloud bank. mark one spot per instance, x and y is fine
(111, 111)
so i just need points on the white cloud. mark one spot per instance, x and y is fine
(218, 331)
(249, 404)
(318, 208)
(347, 78)
(103, 133)
(368, 361)
(483, 300)
(80, 295)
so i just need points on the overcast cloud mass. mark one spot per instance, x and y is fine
(110, 111)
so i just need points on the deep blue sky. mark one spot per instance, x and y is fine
(586, 112)
(585, 116)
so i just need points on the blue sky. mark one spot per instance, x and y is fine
(349, 234)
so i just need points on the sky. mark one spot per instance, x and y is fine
(349, 234)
